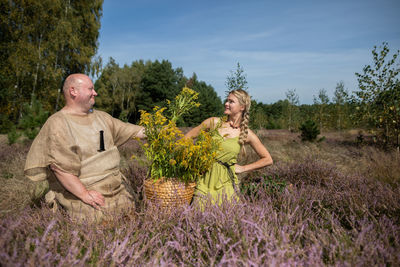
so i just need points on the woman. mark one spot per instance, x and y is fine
(221, 180)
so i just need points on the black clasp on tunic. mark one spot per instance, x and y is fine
(230, 173)
(101, 142)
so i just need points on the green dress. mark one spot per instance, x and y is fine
(216, 183)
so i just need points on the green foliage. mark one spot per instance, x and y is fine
(42, 42)
(13, 135)
(5, 124)
(258, 116)
(267, 184)
(160, 82)
(210, 103)
(236, 80)
(170, 155)
(341, 105)
(291, 110)
(33, 117)
(138, 86)
(123, 116)
(321, 102)
(123, 91)
(286, 114)
(378, 97)
(309, 131)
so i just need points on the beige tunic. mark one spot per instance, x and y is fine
(71, 143)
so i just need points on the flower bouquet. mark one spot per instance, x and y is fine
(175, 162)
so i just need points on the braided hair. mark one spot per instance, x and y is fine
(244, 100)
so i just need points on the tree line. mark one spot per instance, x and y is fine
(329, 114)
(41, 43)
(45, 41)
(123, 91)
(374, 105)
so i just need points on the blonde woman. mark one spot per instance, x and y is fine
(221, 180)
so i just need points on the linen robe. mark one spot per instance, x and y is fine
(72, 143)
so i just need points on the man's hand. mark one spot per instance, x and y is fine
(94, 199)
(75, 186)
(141, 134)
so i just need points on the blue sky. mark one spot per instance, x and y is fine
(281, 45)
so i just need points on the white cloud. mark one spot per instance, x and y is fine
(298, 46)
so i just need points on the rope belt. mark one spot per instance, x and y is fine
(230, 173)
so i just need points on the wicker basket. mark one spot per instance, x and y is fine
(170, 193)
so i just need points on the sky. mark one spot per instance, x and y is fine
(281, 45)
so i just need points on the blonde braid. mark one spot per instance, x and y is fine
(244, 100)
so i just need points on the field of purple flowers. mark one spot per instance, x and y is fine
(333, 203)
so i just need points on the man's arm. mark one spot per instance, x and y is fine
(75, 186)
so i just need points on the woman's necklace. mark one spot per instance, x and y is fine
(233, 125)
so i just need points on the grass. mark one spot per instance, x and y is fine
(328, 203)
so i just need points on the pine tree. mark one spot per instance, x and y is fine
(236, 80)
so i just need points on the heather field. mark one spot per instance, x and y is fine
(330, 203)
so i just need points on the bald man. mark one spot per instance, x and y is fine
(76, 151)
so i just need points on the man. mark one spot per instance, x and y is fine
(76, 150)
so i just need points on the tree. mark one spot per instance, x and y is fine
(378, 96)
(33, 117)
(210, 103)
(274, 113)
(119, 89)
(129, 89)
(291, 109)
(236, 80)
(42, 42)
(159, 83)
(309, 131)
(258, 117)
(340, 99)
(106, 86)
(321, 103)
(124, 91)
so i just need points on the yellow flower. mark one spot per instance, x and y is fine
(184, 163)
(168, 151)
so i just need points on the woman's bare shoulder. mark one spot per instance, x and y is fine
(211, 122)
(251, 136)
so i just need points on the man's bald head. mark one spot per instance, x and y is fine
(73, 80)
(79, 93)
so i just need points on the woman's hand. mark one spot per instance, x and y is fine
(239, 169)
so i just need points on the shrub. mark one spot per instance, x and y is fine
(309, 131)
(327, 218)
(5, 124)
(33, 117)
(264, 185)
(13, 135)
(124, 115)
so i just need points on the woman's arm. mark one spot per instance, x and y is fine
(207, 124)
(259, 148)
